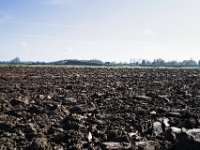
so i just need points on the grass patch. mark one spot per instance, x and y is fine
(87, 66)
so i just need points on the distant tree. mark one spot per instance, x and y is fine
(189, 63)
(143, 62)
(173, 63)
(113, 63)
(148, 63)
(15, 60)
(199, 63)
(96, 61)
(107, 63)
(158, 62)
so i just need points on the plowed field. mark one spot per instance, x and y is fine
(99, 108)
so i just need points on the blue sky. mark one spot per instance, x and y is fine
(110, 30)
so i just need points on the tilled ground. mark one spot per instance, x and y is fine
(88, 108)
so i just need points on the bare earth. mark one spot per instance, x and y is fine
(88, 108)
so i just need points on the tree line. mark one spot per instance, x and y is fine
(95, 62)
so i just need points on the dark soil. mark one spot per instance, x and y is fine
(88, 108)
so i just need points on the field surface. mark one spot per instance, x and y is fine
(44, 108)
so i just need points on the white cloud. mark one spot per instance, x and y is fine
(149, 32)
(66, 51)
(69, 49)
(24, 45)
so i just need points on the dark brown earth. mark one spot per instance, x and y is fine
(88, 108)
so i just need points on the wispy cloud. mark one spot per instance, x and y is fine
(5, 17)
(42, 24)
(30, 36)
(58, 2)
(55, 39)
